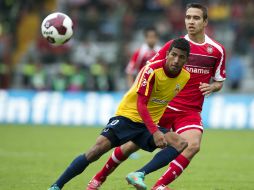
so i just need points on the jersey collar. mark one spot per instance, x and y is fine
(188, 38)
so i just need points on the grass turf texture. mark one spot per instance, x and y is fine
(33, 157)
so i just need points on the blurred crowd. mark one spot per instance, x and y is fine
(106, 32)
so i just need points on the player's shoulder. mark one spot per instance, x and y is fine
(158, 64)
(214, 43)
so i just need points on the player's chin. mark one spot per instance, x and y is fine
(192, 31)
(174, 71)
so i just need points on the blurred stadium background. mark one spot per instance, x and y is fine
(106, 32)
(81, 83)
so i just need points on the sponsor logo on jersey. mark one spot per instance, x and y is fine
(149, 71)
(158, 101)
(209, 49)
(197, 70)
(144, 82)
(177, 89)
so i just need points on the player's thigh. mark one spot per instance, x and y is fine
(167, 119)
(120, 130)
(101, 146)
(193, 137)
(103, 142)
(146, 141)
(186, 121)
(190, 126)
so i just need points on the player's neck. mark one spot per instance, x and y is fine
(197, 38)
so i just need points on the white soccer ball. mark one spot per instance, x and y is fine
(57, 28)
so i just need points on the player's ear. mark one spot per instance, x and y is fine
(206, 22)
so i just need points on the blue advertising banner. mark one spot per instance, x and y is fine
(57, 108)
(93, 108)
(229, 111)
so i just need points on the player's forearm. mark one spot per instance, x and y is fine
(145, 115)
(217, 85)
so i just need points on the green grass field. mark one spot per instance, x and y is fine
(31, 158)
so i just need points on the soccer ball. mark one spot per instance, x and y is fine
(57, 28)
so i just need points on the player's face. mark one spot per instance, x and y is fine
(194, 21)
(151, 38)
(176, 59)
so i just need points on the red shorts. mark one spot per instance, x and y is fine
(180, 121)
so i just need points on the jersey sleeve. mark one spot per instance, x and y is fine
(161, 54)
(220, 67)
(145, 81)
(131, 68)
(144, 113)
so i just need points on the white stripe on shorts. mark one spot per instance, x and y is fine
(189, 126)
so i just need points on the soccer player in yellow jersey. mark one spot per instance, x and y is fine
(139, 112)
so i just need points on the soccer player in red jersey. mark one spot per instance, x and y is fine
(206, 62)
(139, 112)
(142, 54)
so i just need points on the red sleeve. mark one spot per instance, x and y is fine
(145, 86)
(161, 54)
(131, 67)
(220, 68)
(144, 113)
(145, 80)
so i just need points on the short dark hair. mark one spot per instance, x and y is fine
(198, 6)
(182, 44)
(150, 29)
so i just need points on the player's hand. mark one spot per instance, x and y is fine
(159, 139)
(205, 88)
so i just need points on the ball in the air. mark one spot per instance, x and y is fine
(57, 28)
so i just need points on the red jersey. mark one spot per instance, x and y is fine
(206, 61)
(140, 57)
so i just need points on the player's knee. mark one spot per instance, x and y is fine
(183, 144)
(193, 147)
(178, 142)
